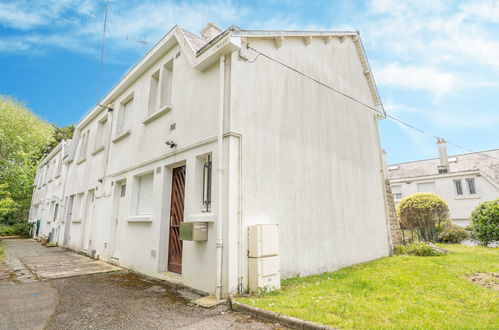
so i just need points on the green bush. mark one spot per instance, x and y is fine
(423, 211)
(484, 225)
(420, 249)
(6, 230)
(22, 229)
(452, 234)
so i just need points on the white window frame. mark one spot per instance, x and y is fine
(468, 180)
(125, 109)
(458, 187)
(144, 197)
(101, 134)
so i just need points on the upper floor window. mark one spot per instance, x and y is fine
(83, 145)
(397, 192)
(428, 187)
(166, 84)
(470, 182)
(59, 165)
(124, 115)
(459, 187)
(154, 93)
(101, 135)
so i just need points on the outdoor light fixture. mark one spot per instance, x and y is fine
(109, 107)
(171, 144)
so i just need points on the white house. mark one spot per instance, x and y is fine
(47, 199)
(463, 181)
(204, 131)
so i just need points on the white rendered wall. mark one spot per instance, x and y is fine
(311, 158)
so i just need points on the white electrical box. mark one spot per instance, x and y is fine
(263, 241)
(263, 258)
(264, 274)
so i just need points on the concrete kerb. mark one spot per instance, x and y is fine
(265, 315)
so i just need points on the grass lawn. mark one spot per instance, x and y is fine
(396, 292)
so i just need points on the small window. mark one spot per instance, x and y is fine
(207, 185)
(471, 186)
(459, 187)
(83, 145)
(59, 165)
(144, 200)
(153, 93)
(56, 210)
(124, 116)
(101, 135)
(397, 196)
(123, 190)
(166, 84)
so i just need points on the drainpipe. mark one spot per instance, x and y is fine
(219, 240)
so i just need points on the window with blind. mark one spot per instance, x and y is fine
(124, 116)
(144, 198)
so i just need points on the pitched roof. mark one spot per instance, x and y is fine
(487, 162)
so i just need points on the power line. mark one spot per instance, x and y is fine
(358, 101)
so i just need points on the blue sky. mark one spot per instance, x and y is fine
(436, 63)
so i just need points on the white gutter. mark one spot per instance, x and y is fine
(219, 239)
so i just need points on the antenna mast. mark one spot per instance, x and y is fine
(101, 76)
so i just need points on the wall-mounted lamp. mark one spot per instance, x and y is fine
(171, 144)
(109, 107)
(100, 180)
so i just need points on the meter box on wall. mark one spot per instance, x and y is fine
(263, 241)
(194, 231)
(263, 261)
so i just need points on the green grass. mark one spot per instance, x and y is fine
(395, 292)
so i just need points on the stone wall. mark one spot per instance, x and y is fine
(394, 226)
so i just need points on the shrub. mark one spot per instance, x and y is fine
(451, 233)
(484, 225)
(22, 229)
(423, 211)
(420, 249)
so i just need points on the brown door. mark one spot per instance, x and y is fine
(176, 217)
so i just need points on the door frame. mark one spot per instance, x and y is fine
(115, 221)
(68, 213)
(182, 168)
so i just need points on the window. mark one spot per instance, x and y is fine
(101, 135)
(123, 190)
(144, 200)
(471, 186)
(59, 165)
(459, 187)
(56, 210)
(207, 185)
(397, 192)
(153, 93)
(83, 145)
(76, 211)
(124, 116)
(428, 187)
(166, 84)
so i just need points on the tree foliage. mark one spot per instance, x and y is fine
(423, 211)
(23, 139)
(484, 225)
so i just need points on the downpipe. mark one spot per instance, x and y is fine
(219, 239)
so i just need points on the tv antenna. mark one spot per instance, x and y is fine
(101, 73)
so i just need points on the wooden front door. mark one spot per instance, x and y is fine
(176, 217)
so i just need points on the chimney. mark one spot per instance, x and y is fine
(210, 31)
(444, 160)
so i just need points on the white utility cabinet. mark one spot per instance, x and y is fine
(263, 262)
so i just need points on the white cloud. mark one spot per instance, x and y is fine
(426, 78)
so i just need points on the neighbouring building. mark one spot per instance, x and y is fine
(463, 181)
(203, 139)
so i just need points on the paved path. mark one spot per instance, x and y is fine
(39, 290)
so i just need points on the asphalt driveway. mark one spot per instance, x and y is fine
(52, 288)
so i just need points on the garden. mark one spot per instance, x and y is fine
(427, 284)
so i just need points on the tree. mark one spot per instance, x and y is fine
(423, 211)
(23, 138)
(60, 133)
(484, 225)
